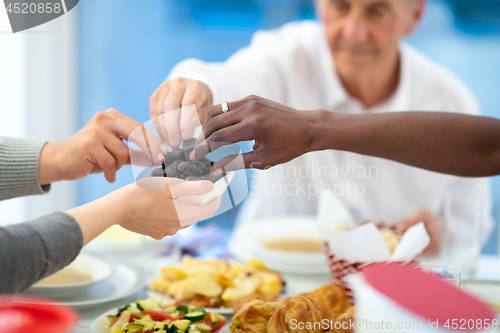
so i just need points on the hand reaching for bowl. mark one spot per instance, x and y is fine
(99, 147)
(280, 133)
(177, 107)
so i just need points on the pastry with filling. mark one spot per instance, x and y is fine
(253, 317)
(237, 305)
(305, 315)
(344, 321)
(331, 300)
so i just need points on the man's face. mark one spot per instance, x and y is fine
(363, 35)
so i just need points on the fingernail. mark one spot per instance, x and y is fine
(210, 186)
(164, 149)
(185, 135)
(160, 157)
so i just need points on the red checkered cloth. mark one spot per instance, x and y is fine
(340, 268)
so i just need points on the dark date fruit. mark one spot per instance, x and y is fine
(171, 172)
(157, 173)
(191, 168)
(178, 165)
(189, 144)
(188, 147)
(173, 156)
(206, 162)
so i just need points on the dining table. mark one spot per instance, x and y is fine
(488, 269)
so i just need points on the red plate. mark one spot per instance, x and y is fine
(35, 315)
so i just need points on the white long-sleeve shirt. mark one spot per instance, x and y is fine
(293, 66)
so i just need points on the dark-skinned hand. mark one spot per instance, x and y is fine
(280, 133)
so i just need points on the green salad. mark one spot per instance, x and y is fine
(148, 316)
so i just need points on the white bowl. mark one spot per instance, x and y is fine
(158, 183)
(287, 228)
(95, 265)
(249, 241)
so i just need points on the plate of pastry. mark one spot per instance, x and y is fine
(327, 305)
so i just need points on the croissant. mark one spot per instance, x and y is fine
(253, 317)
(344, 321)
(331, 300)
(297, 315)
(245, 299)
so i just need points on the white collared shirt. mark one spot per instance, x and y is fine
(292, 65)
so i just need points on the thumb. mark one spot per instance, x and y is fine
(191, 188)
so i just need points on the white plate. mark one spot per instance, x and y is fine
(486, 290)
(248, 240)
(163, 298)
(126, 280)
(96, 327)
(97, 266)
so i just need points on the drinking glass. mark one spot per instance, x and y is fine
(463, 218)
(448, 274)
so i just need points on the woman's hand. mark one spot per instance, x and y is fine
(177, 107)
(151, 212)
(99, 147)
(280, 133)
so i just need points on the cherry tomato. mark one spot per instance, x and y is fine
(132, 317)
(218, 325)
(114, 321)
(158, 316)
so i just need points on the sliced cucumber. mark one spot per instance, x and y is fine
(147, 304)
(203, 327)
(194, 331)
(182, 308)
(123, 309)
(123, 320)
(214, 317)
(173, 329)
(134, 327)
(146, 318)
(170, 309)
(197, 309)
(182, 325)
(117, 330)
(195, 316)
(148, 325)
(160, 326)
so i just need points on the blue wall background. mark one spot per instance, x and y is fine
(127, 48)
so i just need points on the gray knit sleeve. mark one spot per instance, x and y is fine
(19, 168)
(33, 250)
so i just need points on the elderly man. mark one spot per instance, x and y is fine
(353, 61)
